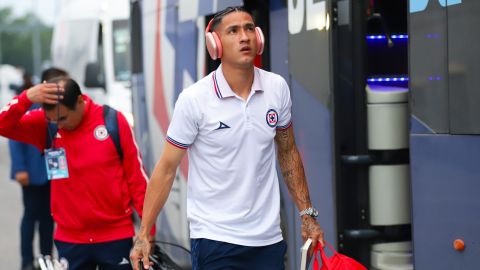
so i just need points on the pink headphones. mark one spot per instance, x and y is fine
(214, 46)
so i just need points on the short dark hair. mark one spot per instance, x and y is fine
(53, 72)
(217, 18)
(70, 96)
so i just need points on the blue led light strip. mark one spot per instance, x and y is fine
(388, 79)
(374, 37)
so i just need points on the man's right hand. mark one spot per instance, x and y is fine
(140, 251)
(49, 93)
(22, 178)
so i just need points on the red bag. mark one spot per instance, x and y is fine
(336, 262)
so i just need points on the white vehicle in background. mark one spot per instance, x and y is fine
(91, 41)
(10, 79)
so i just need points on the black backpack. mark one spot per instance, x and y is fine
(111, 124)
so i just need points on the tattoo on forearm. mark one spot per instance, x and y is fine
(283, 135)
(310, 226)
(287, 174)
(140, 244)
(292, 166)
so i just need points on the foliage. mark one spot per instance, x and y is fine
(16, 35)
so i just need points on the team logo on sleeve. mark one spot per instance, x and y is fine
(272, 118)
(100, 133)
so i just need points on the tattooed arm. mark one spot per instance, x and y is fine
(294, 176)
(157, 193)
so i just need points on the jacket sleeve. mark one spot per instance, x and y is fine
(18, 158)
(19, 124)
(132, 165)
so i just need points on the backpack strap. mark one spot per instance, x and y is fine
(111, 124)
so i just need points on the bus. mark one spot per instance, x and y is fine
(91, 41)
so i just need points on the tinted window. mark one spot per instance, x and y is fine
(121, 50)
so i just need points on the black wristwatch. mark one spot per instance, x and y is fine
(309, 211)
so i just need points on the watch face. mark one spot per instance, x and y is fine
(313, 212)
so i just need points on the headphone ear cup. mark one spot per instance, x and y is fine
(214, 46)
(219, 45)
(211, 45)
(260, 40)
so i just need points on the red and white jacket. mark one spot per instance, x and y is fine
(94, 204)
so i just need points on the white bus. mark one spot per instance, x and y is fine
(91, 41)
(10, 79)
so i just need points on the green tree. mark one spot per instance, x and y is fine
(16, 39)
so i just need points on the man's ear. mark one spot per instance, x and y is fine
(80, 99)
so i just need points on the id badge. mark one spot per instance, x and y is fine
(56, 162)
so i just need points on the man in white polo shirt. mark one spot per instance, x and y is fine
(229, 122)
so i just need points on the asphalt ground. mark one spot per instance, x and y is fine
(11, 210)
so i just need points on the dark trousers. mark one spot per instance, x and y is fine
(113, 255)
(36, 202)
(214, 255)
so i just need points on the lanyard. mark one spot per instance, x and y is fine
(52, 128)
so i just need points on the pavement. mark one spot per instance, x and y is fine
(11, 210)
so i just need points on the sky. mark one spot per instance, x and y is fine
(45, 9)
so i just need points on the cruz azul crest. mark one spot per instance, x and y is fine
(272, 118)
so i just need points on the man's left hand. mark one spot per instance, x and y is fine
(311, 229)
(22, 178)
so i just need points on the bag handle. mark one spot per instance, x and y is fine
(323, 256)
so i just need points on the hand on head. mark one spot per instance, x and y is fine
(49, 93)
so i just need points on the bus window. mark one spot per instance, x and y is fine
(121, 50)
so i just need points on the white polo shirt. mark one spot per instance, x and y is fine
(233, 192)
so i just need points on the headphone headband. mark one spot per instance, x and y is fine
(208, 26)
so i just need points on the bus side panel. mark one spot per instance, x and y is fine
(159, 41)
(428, 70)
(463, 66)
(186, 56)
(279, 64)
(445, 186)
(312, 122)
(444, 167)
